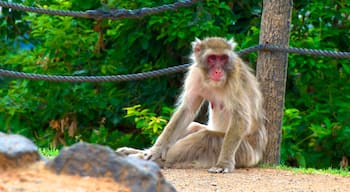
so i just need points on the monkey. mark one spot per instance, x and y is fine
(234, 136)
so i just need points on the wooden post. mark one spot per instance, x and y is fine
(272, 71)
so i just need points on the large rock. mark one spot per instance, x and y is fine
(99, 161)
(17, 151)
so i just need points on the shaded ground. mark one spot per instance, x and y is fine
(36, 179)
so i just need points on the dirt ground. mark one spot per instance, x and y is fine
(37, 179)
(254, 179)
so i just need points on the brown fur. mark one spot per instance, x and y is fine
(235, 135)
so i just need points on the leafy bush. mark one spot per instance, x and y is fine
(150, 124)
(316, 123)
(59, 114)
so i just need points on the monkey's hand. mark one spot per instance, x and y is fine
(221, 169)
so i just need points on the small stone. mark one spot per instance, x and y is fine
(17, 151)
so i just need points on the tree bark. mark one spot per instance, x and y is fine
(272, 71)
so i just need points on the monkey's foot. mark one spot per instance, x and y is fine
(219, 170)
(131, 152)
(156, 153)
(141, 154)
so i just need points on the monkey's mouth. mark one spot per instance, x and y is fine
(216, 79)
(216, 83)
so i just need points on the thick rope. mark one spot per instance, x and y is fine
(115, 78)
(315, 52)
(166, 71)
(101, 14)
(124, 13)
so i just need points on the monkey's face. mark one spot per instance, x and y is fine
(216, 66)
(212, 69)
(214, 56)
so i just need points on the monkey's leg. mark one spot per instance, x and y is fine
(251, 150)
(194, 127)
(232, 140)
(246, 155)
(180, 120)
(197, 150)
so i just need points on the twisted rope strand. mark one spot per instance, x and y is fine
(110, 78)
(165, 71)
(100, 14)
(304, 51)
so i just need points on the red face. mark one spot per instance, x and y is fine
(216, 65)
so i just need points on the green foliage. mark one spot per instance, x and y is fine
(292, 131)
(326, 171)
(56, 114)
(150, 124)
(49, 152)
(316, 123)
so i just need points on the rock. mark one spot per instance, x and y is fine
(17, 151)
(99, 161)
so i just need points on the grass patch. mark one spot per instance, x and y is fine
(341, 172)
(49, 152)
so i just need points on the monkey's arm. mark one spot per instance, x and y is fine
(235, 133)
(179, 121)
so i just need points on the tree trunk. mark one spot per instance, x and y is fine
(272, 71)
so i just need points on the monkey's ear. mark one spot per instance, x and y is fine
(196, 45)
(232, 43)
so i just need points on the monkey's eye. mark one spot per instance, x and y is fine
(211, 59)
(224, 58)
(217, 59)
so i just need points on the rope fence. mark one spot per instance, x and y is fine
(115, 14)
(112, 14)
(165, 71)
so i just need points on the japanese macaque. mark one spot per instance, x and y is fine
(235, 135)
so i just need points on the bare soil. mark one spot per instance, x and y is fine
(38, 179)
(255, 179)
